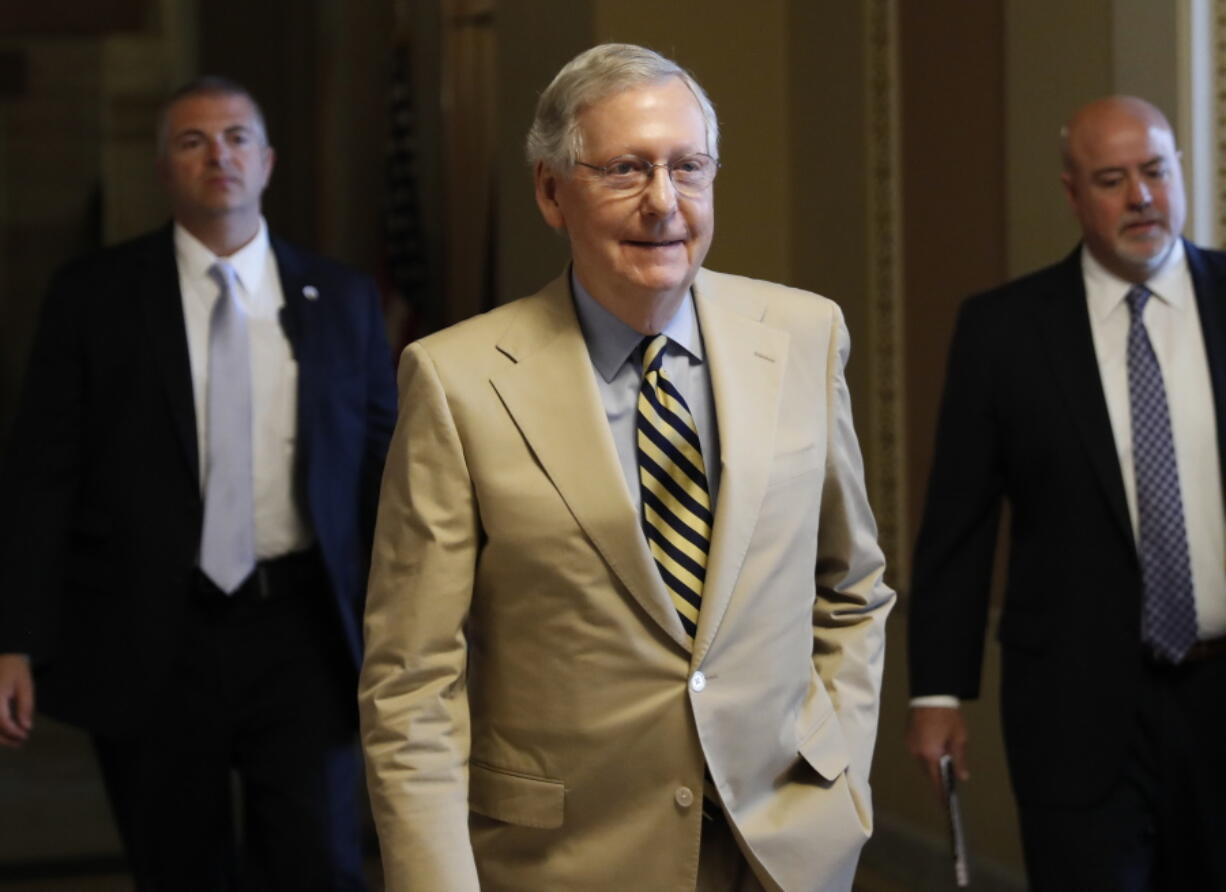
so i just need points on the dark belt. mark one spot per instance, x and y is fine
(1199, 652)
(272, 578)
(1206, 650)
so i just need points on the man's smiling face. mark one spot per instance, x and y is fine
(647, 247)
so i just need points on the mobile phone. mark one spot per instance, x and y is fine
(957, 838)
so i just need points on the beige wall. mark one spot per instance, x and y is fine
(351, 80)
(529, 254)
(1057, 56)
(826, 125)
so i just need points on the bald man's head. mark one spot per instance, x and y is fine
(1122, 178)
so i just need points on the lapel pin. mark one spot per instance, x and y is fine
(310, 292)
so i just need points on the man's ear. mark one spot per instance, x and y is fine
(547, 195)
(1070, 188)
(270, 161)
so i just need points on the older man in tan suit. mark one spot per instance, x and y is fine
(625, 621)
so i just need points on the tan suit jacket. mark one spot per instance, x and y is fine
(530, 712)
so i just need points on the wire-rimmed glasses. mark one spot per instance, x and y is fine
(691, 175)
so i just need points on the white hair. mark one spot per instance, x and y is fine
(555, 137)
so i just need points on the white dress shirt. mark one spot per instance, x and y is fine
(279, 525)
(1173, 323)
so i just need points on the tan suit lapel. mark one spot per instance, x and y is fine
(746, 360)
(549, 391)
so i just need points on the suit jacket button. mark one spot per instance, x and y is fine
(698, 681)
(684, 797)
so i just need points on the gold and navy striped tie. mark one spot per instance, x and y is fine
(673, 482)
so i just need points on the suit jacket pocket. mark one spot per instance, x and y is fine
(515, 798)
(825, 748)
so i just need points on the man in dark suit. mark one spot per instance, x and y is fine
(188, 498)
(1089, 395)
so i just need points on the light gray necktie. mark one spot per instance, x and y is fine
(227, 546)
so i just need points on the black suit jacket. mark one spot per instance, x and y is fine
(99, 488)
(1024, 419)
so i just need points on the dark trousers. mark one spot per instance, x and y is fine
(722, 867)
(1163, 826)
(261, 692)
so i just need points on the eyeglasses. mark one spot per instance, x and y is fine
(630, 174)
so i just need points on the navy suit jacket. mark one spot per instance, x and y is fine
(102, 509)
(1024, 420)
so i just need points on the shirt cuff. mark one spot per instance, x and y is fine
(948, 701)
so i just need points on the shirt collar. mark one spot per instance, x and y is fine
(611, 342)
(1106, 291)
(248, 261)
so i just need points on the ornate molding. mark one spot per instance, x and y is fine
(1219, 114)
(885, 441)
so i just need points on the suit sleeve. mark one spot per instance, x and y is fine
(413, 695)
(957, 539)
(853, 600)
(39, 475)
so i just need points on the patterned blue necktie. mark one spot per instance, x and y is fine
(1168, 619)
(227, 544)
